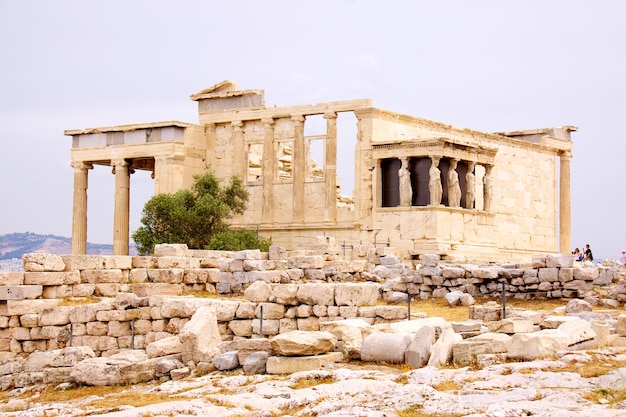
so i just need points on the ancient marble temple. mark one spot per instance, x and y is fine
(417, 185)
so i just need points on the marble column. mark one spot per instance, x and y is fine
(330, 167)
(565, 203)
(269, 171)
(121, 217)
(298, 168)
(240, 162)
(79, 210)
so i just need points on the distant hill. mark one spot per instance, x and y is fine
(14, 245)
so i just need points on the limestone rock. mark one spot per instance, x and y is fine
(255, 363)
(577, 306)
(163, 347)
(510, 326)
(303, 343)
(226, 361)
(441, 351)
(418, 351)
(291, 364)
(385, 347)
(258, 292)
(537, 345)
(200, 336)
(42, 262)
(349, 294)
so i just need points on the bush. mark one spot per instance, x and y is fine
(190, 217)
(236, 240)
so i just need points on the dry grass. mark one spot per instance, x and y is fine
(448, 385)
(591, 369)
(606, 396)
(78, 301)
(313, 381)
(438, 307)
(418, 412)
(134, 400)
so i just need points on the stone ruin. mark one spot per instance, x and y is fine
(141, 317)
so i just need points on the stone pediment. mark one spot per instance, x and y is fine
(226, 95)
(226, 88)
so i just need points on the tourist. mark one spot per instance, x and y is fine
(578, 255)
(623, 259)
(588, 254)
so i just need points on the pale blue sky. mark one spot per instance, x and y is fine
(484, 65)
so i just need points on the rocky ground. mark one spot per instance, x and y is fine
(580, 383)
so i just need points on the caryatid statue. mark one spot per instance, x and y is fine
(454, 188)
(434, 182)
(470, 181)
(404, 176)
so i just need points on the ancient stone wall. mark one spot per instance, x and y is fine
(133, 301)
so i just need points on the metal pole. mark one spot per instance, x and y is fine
(503, 302)
(261, 323)
(71, 333)
(408, 305)
(132, 334)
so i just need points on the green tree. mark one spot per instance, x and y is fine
(192, 216)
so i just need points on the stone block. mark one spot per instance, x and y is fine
(510, 326)
(539, 260)
(537, 345)
(322, 294)
(559, 260)
(149, 289)
(306, 262)
(277, 253)
(200, 336)
(270, 327)
(102, 276)
(42, 262)
(292, 364)
(465, 352)
(166, 276)
(20, 307)
(12, 278)
(385, 347)
(548, 274)
(51, 278)
(352, 294)
(258, 292)
(20, 292)
(82, 262)
(164, 249)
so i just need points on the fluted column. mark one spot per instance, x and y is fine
(565, 203)
(240, 162)
(121, 216)
(269, 171)
(330, 167)
(298, 168)
(79, 210)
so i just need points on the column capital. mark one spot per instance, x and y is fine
(237, 125)
(81, 165)
(298, 119)
(268, 121)
(565, 154)
(330, 115)
(123, 164)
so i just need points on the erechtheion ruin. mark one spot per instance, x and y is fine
(417, 185)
